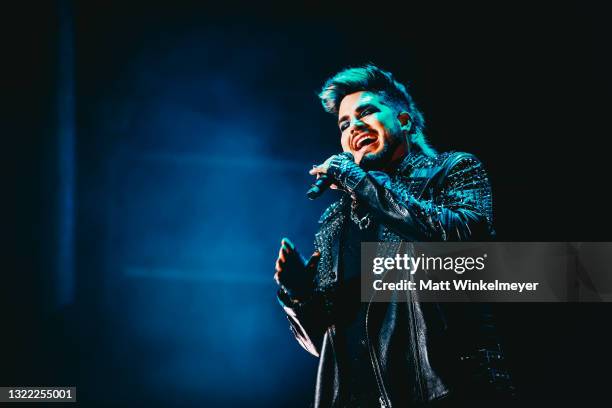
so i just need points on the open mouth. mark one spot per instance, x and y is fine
(364, 141)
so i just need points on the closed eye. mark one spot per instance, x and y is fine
(366, 112)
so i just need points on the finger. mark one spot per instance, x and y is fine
(280, 264)
(286, 242)
(333, 187)
(316, 170)
(314, 260)
(281, 255)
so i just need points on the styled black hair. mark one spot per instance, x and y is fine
(373, 79)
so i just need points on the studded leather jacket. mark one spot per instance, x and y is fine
(446, 349)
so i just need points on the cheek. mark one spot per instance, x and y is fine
(388, 128)
(344, 142)
(377, 124)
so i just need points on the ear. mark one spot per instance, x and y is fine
(405, 121)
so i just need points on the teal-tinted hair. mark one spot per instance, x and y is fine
(373, 79)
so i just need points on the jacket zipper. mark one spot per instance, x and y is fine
(416, 347)
(384, 398)
(385, 401)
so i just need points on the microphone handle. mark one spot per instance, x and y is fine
(319, 186)
(324, 181)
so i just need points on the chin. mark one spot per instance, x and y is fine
(378, 159)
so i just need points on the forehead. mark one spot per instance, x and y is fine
(352, 101)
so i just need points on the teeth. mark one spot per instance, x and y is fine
(365, 140)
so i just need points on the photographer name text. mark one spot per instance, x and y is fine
(457, 285)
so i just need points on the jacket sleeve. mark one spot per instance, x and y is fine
(459, 208)
(308, 320)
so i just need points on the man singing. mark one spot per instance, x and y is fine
(395, 188)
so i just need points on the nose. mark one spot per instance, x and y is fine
(356, 125)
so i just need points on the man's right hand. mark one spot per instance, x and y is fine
(294, 274)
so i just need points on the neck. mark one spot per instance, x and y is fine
(397, 158)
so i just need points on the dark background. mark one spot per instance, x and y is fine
(156, 154)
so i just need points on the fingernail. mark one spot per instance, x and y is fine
(286, 242)
(289, 244)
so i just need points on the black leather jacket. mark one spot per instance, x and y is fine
(446, 349)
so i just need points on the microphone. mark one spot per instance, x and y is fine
(319, 186)
(324, 181)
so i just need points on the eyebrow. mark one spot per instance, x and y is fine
(359, 109)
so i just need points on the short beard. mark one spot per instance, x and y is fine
(380, 160)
